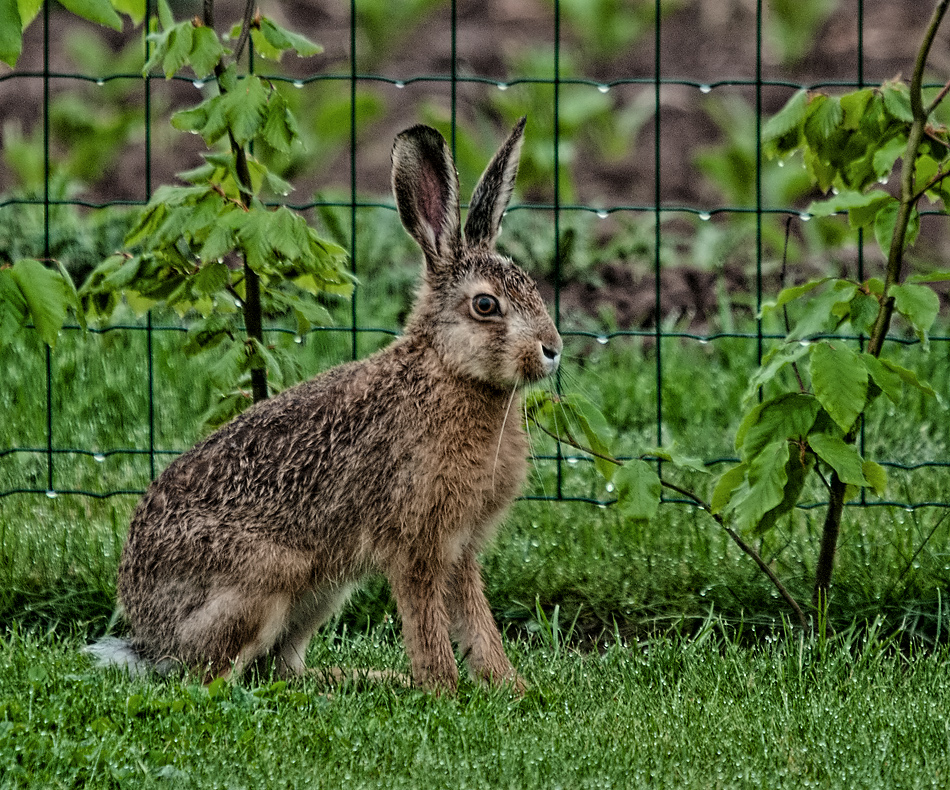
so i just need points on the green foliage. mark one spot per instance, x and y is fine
(32, 293)
(189, 241)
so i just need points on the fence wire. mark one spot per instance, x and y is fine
(459, 77)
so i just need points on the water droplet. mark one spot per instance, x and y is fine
(399, 84)
(835, 191)
(572, 461)
(298, 83)
(781, 163)
(502, 86)
(298, 340)
(804, 342)
(603, 340)
(705, 216)
(705, 88)
(100, 83)
(603, 213)
(52, 494)
(603, 88)
(703, 341)
(804, 216)
(99, 458)
(610, 488)
(237, 303)
(882, 180)
(199, 84)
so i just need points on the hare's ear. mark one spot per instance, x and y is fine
(426, 188)
(493, 192)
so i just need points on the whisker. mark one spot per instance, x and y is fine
(501, 433)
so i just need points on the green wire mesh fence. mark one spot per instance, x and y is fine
(622, 100)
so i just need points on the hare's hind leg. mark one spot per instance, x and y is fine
(306, 615)
(473, 625)
(233, 628)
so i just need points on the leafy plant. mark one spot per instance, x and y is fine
(850, 144)
(215, 247)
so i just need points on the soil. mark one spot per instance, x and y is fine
(704, 41)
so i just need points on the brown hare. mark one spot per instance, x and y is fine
(400, 464)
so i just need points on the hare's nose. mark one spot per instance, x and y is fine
(552, 357)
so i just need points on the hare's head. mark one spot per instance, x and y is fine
(481, 313)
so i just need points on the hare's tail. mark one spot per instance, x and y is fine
(120, 653)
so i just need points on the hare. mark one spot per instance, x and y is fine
(401, 464)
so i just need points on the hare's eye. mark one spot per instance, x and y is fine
(485, 305)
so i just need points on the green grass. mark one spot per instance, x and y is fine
(671, 712)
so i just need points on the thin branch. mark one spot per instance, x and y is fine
(572, 442)
(763, 565)
(930, 185)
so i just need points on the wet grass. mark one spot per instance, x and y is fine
(679, 712)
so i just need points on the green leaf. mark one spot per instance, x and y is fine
(840, 380)
(929, 277)
(206, 51)
(854, 106)
(824, 117)
(764, 488)
(862, 207)
(788, 118)
(876, 476)
(11, 32)
(919, 304)
(796, 473)
(789, 416)
(897, 100)
(282, 39)
(99, 11)
(46, 297)
(639, 488)
(772, 364)
(787, 295)
(246, 108)
(862, 311)
(885, 221)
(885, 378)
(212, 277)
(180, 39)
(679, 460)
(134, 9)
(229, 365)
(840, 456)
(909, 377)
(280, 128)
(885, 156)
(730, 480)
(14, 312)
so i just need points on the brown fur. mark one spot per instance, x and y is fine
(402, 463)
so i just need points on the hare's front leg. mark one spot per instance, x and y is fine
(419, 590)
(474, 627)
